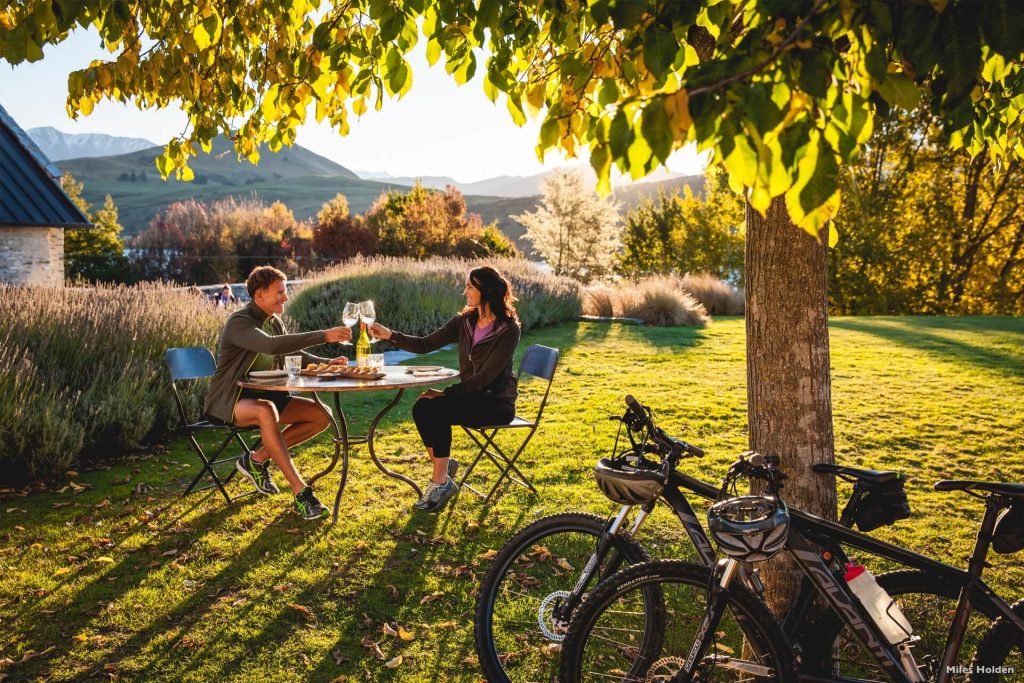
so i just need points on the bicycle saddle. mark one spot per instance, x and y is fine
(872, 477)
(998, 488)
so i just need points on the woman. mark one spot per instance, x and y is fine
(487, 332)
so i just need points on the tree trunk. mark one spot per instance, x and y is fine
(789, 402)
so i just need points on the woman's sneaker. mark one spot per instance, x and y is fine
(309, 506)
(258, 473)
(437, 495)
(453, 467)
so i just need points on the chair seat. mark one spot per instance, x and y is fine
(207, 424)
(516, 423)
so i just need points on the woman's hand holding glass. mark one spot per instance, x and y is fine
(378, 331)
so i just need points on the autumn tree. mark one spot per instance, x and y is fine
(424, 222)
(687, 234)
(93, 254)
(338, 234)
(574, 230)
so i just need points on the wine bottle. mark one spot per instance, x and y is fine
(363, 348)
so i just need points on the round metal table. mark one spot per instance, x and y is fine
(397, 378)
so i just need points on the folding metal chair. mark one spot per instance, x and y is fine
(538, 361)
(197, 363)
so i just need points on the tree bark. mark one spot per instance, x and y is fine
(789, 401)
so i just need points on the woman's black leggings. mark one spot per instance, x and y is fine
(434, 417)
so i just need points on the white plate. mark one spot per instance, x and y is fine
(268, 374)
(425, 368)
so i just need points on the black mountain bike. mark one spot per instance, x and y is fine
(711, 625)
(540, 576)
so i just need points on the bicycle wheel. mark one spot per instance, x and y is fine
(928, 601)
(516, 637)
(1000, 655)
(609, 638)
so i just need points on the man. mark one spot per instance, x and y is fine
(254, 338)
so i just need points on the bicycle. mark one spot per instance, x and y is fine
(720, 603)
(526, 599)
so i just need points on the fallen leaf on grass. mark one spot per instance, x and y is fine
(306, 612)
(104, 504)
(447, 625)
(168, 553)
(394, 663)
(339, 658)
(564, 564)
(372, 647)
(282, 587)
(405, 635)
(61, 505)
(71, 473)
(10, 510)
(104, 559)
(471, 660)
(431, 597)
(389, 631)
(472, 527)
(28, 654)
(395, 593)
(488, 556)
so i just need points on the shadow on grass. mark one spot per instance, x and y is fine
(912, 332)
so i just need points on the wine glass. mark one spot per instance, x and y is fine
(350, 316)
(368, 314)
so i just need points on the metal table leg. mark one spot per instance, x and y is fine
(373, 452)
(341, 444)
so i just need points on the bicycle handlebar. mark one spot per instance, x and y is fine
(642, 416)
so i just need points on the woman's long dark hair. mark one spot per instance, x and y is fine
(496, 291)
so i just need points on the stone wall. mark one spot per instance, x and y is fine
(32, 256)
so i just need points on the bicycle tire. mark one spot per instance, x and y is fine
(646, 661)
(1002, 648)
(492, 656)
(927, 600)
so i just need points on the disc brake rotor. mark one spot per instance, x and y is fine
(546, 616)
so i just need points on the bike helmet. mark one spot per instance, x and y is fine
(749, 528)
(1008, 536)
(630, 480)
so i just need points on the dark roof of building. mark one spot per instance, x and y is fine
(30, 192)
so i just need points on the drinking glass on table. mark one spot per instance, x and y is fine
(350, 316)
(368, 314)
(293, 364)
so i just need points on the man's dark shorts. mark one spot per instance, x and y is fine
(280, 399)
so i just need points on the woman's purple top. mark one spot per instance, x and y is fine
(481, 332)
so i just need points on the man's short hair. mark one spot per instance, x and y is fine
(261, 277)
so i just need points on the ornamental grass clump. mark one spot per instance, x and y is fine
(718, 296)
(86, 366)
(417, 297)
(660, 302)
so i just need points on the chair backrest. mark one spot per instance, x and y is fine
(539, 361)
(193, 362)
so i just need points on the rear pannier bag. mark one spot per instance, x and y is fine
(882, 505)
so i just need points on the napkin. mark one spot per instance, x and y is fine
(444, 372)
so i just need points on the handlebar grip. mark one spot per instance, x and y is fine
(695, 451)
(634, 404)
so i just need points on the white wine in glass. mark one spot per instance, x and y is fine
(350, 316)
(368, 315)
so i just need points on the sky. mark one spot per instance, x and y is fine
(438, 128)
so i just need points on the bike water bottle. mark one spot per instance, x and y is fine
(886, 614)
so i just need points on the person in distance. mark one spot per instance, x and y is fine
(254, 338)
(487, 332)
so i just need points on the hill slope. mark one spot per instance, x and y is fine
(57, 145)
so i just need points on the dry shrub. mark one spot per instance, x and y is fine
(600, 300)
(718, 296)
(659, 301)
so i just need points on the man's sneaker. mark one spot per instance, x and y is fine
(453, 467)
(309, 506)
(258, 473)
(438, 496)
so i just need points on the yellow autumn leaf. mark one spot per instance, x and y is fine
(394, 663)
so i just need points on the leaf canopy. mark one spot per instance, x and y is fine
(782, 92)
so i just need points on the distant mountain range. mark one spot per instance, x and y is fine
(58, 146)
(301, 179)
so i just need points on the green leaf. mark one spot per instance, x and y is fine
(900, 91)
(549, 133)
(620, 136)
(1002, 25)
(660, 48)
(609, 92)
(960, 58)
(656, 129)
(433, 51)
(741, 161)
(814, 75)
(601, 162)
(398, 78)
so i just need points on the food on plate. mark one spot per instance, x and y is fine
(311, 366)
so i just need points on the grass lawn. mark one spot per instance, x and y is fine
(109, 573)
